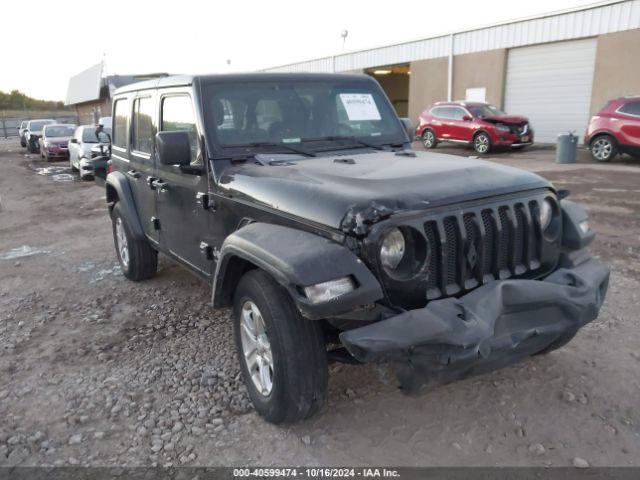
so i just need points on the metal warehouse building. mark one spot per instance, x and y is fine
(557, 69)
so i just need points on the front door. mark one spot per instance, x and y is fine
(460, 129)
(136, 151)
(184, 222)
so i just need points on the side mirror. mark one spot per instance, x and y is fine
(173, 148)
(408, 126)
(467, 118)
(74, 140)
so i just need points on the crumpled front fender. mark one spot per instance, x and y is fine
(493, 326)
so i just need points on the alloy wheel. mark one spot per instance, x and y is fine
(482, 143)
(122, 245)
(256, 348)
(602, 148)
(428, 139)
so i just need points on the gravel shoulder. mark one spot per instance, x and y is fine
(96, 370)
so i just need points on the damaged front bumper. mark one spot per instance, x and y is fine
(495, 325)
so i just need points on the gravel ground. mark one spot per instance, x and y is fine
(96, 370)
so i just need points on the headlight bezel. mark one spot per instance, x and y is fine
(415, 258)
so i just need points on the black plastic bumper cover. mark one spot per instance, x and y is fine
(495, 325)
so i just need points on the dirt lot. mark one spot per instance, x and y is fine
(96, 370)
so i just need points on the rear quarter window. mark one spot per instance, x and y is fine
(631, 108)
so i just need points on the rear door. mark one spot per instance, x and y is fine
(438, 122)
(184, 222)
(132, 148)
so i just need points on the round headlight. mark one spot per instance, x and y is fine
(546, 212)
(392, 249)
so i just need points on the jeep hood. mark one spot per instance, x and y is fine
(331, 190)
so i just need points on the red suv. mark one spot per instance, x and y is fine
(472, 123)
(615, 129)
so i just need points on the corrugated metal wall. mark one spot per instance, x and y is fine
(612, 17)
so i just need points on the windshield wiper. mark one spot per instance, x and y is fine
(286, 146)
(353, 138)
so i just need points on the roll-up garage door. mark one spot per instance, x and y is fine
(551, 84)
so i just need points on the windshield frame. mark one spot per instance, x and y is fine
(321, 145)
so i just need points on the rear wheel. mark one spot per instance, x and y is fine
(136, 257)
(282, 355)
(429, 139)
(603, 148)
(482, 143)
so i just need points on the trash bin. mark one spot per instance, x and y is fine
(567, 148)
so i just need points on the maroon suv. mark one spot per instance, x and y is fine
(615, 129)
(481, 125)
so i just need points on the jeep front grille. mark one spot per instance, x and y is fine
(469, 248)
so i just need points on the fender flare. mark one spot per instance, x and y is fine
(295, 259)
(118, 189)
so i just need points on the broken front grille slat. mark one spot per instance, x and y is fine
(470, 248)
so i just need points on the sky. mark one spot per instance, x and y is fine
(65, 37)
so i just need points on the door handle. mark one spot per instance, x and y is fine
(159, 185)
(133, 174)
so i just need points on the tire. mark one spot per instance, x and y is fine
(138, 260)
(22, 142)
(429, 139)
(482, 143)
(603, 148)
(31, 148)
(73, 167)
(294, 384)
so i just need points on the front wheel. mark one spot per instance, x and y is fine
(137, 259)
(603, 148)
(429, 139)
(482, 143)
(282, 355)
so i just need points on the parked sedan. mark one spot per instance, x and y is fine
(476, 124)
(55, 139)
(615, 129)
(84, 139)
(33, 133)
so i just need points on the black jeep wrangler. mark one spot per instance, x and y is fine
(299, 199)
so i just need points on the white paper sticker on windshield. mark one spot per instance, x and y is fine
(360, 106)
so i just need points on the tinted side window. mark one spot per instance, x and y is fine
(120, 115)
(631, 108)
(142, 125)
(457, 113)
(177, 115)
(439, 112)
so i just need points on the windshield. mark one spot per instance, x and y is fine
(484, 110)
(278, 113)
(59, 130)
(36, 127)
(89, 136)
